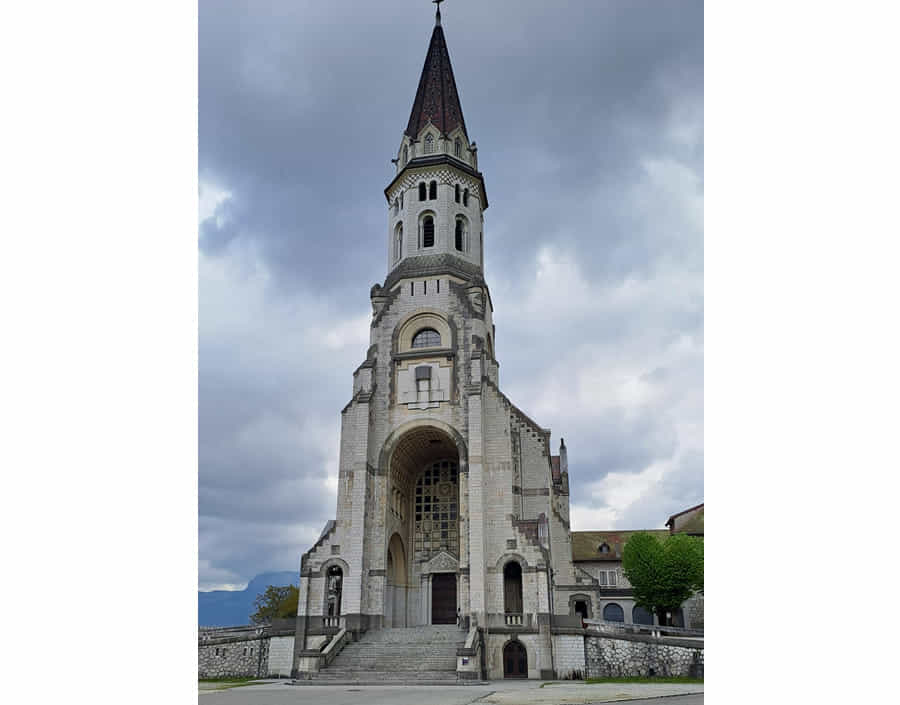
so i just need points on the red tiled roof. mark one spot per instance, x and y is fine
(437, 99)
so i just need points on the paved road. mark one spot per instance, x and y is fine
(496, 693)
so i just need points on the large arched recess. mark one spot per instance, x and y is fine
(420, 429)
(431, 520)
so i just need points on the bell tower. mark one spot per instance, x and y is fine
(437, 197)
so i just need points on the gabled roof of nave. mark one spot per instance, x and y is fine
(437, 99)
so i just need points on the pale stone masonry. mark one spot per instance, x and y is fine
(451, 508)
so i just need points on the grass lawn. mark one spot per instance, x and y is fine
(641, 679)
(632, 679)
(226, 683)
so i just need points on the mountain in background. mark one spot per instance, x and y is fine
(232, 608)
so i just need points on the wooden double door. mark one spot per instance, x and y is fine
(443, 598)
(515, 660)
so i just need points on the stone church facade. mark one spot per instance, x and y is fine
(452, 508)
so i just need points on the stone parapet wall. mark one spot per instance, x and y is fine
(622, 656)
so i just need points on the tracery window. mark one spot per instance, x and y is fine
(457, 148)
(437, 518)
(427, 338)
(405, 154)
(429, 144)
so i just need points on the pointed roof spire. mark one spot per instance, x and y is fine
(437, 99)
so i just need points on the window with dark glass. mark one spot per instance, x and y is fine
(428, 232)
(427, 338)
(466, 197)
(459, 235)
(432, 190)
(422, 192)
(456, 194)
(436, 516)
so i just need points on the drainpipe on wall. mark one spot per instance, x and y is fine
(550, 626)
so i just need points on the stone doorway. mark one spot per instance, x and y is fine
(443, 598)
(515, 660)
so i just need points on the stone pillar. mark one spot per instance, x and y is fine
(351, 517)
(476, 502)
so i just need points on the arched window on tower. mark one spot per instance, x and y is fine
(405, 154)
(398, 242)
(456, 193)
(466, 197)
(432, 190)
(460, 234)
(423, 191)
(457, 148)
(427, 338)
(429, 144)
(428, 231)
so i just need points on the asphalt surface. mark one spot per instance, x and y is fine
(494, 693)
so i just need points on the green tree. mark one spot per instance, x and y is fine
(275, 603)
(663, 572)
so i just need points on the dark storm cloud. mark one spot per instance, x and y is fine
(588, 118)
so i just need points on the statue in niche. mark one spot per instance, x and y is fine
(333, 591)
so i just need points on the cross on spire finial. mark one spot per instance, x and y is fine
(437, 15)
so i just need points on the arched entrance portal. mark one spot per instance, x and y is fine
(423, 515)
(515, 660)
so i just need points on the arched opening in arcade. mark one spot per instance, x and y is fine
(424, 525)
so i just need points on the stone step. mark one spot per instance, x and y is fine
(385, 676)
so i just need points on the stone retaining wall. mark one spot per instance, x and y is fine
(245, 652)
(623, 655)
(246, 658)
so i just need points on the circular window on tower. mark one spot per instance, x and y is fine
(427, 338)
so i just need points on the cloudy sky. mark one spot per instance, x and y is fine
(589, 122)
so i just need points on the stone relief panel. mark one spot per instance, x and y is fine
(441, 563)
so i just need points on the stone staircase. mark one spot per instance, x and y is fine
(418, 654)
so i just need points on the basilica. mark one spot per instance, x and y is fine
(452, 516)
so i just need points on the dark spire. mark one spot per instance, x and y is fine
(436, 99)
